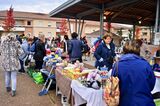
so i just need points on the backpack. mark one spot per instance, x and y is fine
(96, 44)
(86, 48)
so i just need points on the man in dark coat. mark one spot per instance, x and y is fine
(75, 48)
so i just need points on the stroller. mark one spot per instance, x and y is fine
(48, 75)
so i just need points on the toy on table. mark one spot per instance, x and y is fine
(104, 75)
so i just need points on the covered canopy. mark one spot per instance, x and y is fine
(117, 11)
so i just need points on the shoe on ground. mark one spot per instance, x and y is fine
(21, 71)
(8, 89)
(13, 93)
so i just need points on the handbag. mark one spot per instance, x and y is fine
(111, 91)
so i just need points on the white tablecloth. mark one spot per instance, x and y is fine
(83, 95)
(157, 86)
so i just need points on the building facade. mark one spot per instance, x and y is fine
(36, 23)
(31, 23)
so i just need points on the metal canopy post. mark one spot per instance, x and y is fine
(76, 25)
(134, 27)
(150, 32)
(81, 28)
(69, 26)
(101, 21)
(157, 16)
(109, 26)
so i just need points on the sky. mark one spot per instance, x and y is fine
(41, 6)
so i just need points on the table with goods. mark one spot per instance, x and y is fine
(80, 85)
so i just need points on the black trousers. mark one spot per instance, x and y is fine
(38, 64)
(22, 67)
(74, 60)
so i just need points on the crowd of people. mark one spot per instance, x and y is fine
(134, 72)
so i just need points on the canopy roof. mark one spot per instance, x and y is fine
(117, 11)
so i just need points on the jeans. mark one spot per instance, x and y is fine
(22, 65)
(11, 79)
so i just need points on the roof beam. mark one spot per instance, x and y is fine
(66, 15)
(85, 13)
(64, 6)
(118, 3)
(90, 6)
(116, 14)
(142, 10)
(126, 8)
(148, 16)
(150, 2)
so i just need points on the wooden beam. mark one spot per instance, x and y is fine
(93, 6)
(66, 15)
(141, 10)
(118, 13)
(85, 13)
(118, 3)
(150, 2)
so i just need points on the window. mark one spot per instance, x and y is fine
(58, 24)
(49, 33)
(144, 33)
(49, 24)
(28, 22)
(40, 33)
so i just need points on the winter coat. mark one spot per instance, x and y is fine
(137, 80)
(106, 54)
(40, 51)
(11, 51)
(75, 49)
(25, 47)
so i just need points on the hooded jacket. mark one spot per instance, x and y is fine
(11, 51)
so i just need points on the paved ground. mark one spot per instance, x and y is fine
(27, 93)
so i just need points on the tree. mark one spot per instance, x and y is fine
(9, 21)
(63, 27)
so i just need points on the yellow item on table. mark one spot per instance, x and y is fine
(56, 56)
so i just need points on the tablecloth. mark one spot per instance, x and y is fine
(63, 84)
(157, 86)
(83, 94)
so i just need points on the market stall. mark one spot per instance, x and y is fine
(63, 85)
(72, 81)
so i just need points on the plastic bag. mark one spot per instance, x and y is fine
(38, 78)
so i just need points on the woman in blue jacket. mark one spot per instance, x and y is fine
(105, 53)
(136, 77)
